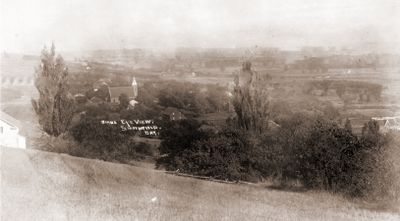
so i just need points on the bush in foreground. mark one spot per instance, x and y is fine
(105, 141)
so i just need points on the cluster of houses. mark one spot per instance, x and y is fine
(10, 128)
(114, 93)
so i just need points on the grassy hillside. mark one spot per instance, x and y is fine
(38, 185)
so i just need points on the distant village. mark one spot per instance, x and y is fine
(124, 72)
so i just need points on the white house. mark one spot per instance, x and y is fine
(9, 132)
(388, 123)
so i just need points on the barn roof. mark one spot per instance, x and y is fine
(115, 92)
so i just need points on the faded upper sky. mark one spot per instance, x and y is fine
(26, 25)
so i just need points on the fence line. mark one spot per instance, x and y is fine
(177, 173)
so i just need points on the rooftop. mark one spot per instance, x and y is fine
(10, 120)
(115, 92)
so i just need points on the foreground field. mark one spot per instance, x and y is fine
(38, 185)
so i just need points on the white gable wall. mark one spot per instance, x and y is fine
(9, 136)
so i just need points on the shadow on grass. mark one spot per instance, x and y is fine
(389, 206)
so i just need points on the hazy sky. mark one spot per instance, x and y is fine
(26, 25)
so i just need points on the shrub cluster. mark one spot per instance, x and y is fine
(106, 142)
(323, 155)
(317, 152)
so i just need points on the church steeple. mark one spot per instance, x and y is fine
(134, 87)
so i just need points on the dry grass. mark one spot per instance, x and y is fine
(47, 186)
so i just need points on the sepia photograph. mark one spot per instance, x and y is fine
(203, 110)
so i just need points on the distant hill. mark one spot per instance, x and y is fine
(31, 57)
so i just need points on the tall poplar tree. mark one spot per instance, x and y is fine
(251, 101)
(55, 104)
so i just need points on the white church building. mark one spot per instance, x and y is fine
(130, 91)
(10, 132)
